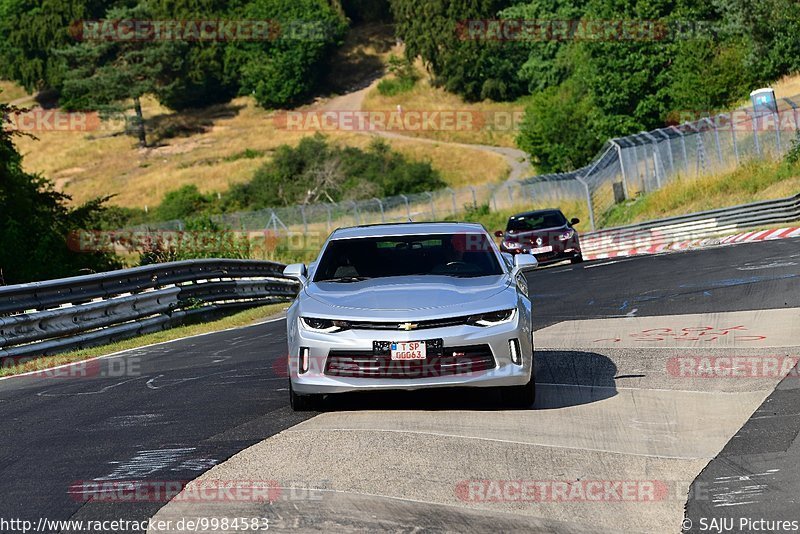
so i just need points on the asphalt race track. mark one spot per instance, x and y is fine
(619, 399)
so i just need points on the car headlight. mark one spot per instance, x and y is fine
(493, 318)
(566, 235)
(512, 245)
(323, 325)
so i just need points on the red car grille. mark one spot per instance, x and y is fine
(451, 361)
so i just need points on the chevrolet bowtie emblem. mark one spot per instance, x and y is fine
(407, 326)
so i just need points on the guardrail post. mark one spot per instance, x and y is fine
(588, 201)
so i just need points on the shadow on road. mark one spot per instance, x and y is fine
(563, 378)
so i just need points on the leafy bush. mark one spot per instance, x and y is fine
(36, 223)
(284, 71)
(793, 155)
(201, 238)
(183, 203)
(316, 171)
(405, 77)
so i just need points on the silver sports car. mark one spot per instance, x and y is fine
(410, 306)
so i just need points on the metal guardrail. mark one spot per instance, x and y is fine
(712, 223)
(43, 318)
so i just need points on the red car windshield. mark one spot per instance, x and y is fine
(536, 221)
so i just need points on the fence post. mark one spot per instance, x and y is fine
(778, 130)
(303, 214)
(733, 140)
(669, 152)
(453, 194)
(656, 158)
(683, 149)
(588, 201)
(357, 216)
(380, 204)
(408, 209)
(716, 139)
(622, 168)
(433, 210)
(755, 132)
(510, 196)
(474, 197)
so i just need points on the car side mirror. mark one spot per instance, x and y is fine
(499, 233)
(574, 221)
(296, 271)
(524, 262)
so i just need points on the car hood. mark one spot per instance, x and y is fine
(394, 297)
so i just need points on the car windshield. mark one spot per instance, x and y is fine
(536, 221)
(459, 255)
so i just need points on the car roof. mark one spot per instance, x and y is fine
(536, 212)
(407, 228)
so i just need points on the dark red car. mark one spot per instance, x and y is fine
(544, 233)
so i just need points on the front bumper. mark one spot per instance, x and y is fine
(504, 373)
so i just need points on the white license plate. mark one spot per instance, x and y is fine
(409, 350)
(542, 250)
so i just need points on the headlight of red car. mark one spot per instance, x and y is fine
(566, 235)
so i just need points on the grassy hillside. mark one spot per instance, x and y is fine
(752, 182)
(212, 148)
(497, 130)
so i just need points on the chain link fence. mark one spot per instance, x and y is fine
(625, 168)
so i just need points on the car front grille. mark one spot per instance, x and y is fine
(418, 325)
(440, 362)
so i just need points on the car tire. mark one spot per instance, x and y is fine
(520, 396)
(304, 403)
(577, 259)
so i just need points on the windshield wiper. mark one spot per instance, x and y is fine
(346, 279)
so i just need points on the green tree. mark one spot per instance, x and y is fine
(200, 77)
(472, 67)
(36, 223)
(284, 70)
(559, 128)
(29, 32)
(105, 74)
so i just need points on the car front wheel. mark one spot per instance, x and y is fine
(304, 403)
(520, 396)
